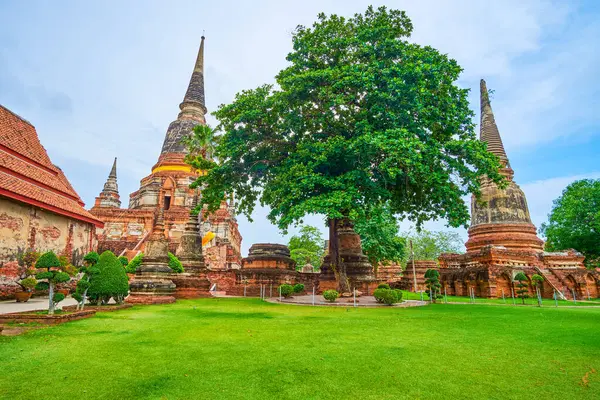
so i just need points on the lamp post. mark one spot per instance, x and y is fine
(412, 257)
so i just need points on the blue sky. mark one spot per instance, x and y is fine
(104, 79)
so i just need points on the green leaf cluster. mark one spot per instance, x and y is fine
(124, 261)
(286, 290)
(331, 295)
(91, 258)
(387, 296)
(522, 286)
(429, 245)
(307, 247)
(111, 279)
(361, 118)
(298, 287)
(379, 236)
(134, 263)
(574, 222)
(432, 282)
(175, 264)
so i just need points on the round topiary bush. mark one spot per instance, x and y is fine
(286, 290)
(383, 286)
(175, 264)
(47, 260)
(110, 281)
(387, 296)
(331, 295)
(298, 287)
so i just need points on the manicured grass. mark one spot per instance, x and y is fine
(532, 301)
(246, 349)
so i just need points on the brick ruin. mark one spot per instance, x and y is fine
(126, 230)
(503, 241)
(39, 209)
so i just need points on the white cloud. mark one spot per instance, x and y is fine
(124, 67)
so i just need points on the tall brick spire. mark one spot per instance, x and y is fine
(195, 91)
(500, 217)
(192, 113)
(489, 130)
(109, 196)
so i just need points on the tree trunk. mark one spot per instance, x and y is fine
(83, 298)
(51, 298)
(338, 267)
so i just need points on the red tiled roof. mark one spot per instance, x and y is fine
(28, 175)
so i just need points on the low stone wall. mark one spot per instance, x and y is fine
(106, 308)
(27, 317)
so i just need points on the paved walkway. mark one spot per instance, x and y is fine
(34, 304)
(363, 301)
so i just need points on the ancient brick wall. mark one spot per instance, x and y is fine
(24, 227)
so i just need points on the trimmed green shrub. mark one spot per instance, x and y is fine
(124, 261)
(387, 296)
(383, 286)
(52, 272)
(432, 281)
(91, 258)
(331, 295)
(522, 286)
(134, 263)
(298, 287)
(175, 264)
(286, 290)
(28, 283)
(110, 281)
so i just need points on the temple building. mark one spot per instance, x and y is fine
(39, 209)
(503, 241)
(167, 188)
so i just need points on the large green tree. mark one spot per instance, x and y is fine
(380, 239)
(361, 118)
(307, 246)
(428, 245)
(574, 222)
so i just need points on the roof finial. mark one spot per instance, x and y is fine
(113, 171)
(109, 196)
(489, 130)
(195, 91)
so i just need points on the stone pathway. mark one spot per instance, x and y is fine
(363, 301)
(34, 304)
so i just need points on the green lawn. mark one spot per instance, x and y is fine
(246, 349)
(532, 301)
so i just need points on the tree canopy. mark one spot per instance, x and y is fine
(574, 222)
(428, 245)
(360, 119)
(380, 239)
(307, 247)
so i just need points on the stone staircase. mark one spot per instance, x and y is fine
(554, 282)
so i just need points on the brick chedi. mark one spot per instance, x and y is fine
(109, 197)
(126, 230)
(193, 282)
(359, 270)
(503, 241)
(267, 266)
(151, 284)
(501, 216)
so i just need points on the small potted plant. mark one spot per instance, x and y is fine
(26, 274)
(27, 284)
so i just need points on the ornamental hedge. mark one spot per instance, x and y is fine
(110, 281)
